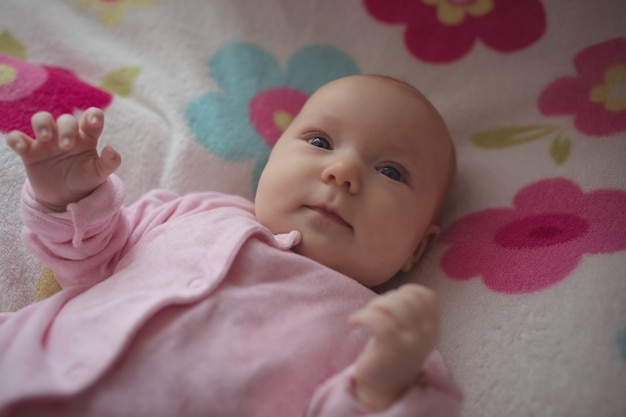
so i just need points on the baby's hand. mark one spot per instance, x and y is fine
(62, 164)
(404, 328)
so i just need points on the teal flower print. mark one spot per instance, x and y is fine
(258, 98)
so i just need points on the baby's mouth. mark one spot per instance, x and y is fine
(330, 214)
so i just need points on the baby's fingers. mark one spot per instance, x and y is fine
(67, 127)
(109, 161)
(377, 320)
(410, 310)
(91, 124)
(19, 142)
(44, 126)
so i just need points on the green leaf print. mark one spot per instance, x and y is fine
(560, 149)
(503, 137)
(120, 81)
(10, 46)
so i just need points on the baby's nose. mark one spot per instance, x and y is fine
(343, 172)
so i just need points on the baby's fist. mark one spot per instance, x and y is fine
(404, 328)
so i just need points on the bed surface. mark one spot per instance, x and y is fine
(530, 268)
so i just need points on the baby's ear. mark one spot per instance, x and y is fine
(431, 233)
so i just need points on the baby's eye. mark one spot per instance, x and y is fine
(320, 142)
(393, 173)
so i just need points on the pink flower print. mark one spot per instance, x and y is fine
(596, 97)
(539, 241)
(19, 79)
(272, 110)
(26, 88)
(442, 31)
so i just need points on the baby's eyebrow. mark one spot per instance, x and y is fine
(320, 122)
(326, 118)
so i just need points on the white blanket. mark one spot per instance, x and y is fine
(530, 269)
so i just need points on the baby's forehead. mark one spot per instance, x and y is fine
(397, 83)
(409, 90)
(368, 91)
(374, 81)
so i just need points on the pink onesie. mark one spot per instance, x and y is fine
(187, 306)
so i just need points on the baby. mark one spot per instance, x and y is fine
(206, 304)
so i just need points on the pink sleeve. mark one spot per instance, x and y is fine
(80, 244)
(84, 244)
(434, 394)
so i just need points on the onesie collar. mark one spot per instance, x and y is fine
(288, 240)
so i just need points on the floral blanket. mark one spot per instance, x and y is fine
(530, 268)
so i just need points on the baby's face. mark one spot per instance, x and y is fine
(359, 172)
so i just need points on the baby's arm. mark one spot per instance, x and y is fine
(62, 163)
(404, 328)
(79, 238)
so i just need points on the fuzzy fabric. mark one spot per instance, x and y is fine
(530, 267)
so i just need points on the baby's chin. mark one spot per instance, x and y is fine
(319, 255)
(336, 263)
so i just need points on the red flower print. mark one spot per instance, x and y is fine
(26, 88)
(272, 110)
(540, 240)
(442, 31)
(596, 97)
